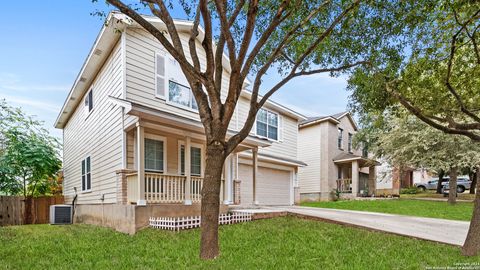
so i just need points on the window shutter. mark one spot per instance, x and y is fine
(280, 128)
(160, 75)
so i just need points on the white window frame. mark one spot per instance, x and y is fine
(86, 173)
(278, 125)
(202, 153)
(156, 138)
(189, 108)
(86, 108)
(165, 90)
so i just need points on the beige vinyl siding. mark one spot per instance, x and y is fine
(98, 136)
(309, 139)
(140, 60)
(172, 145)
(287, 147)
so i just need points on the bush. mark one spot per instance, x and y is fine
(410, 190)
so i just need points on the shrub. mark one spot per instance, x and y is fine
(410, 190)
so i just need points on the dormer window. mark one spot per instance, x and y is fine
(88, 103)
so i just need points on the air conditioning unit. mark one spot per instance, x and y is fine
(60, 214)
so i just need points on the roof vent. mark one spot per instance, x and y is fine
(97, 52)
(83, 79)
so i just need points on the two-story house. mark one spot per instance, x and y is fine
(133, 143)
(325, 144)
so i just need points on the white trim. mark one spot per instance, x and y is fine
(328, 118)
(86, 190)
(123, 49)
(202, 161)
(260, 157)
(165, 146)
(86, 109)
(278, 125)
(292, 187)
(165, 93)
(178, 105)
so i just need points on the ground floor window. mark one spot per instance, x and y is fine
(86, 174)
(154, 155)
(195, 160)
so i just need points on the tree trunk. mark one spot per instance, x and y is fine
(215, 158)
(452, 183)
(472, 243)
(473, 178)
(441, 173)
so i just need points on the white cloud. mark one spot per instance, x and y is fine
(22, 101)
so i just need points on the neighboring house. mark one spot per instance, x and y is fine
(325, 144)
(390, 179)
(134, 144)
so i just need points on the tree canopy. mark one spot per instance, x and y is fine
(436, 76)
(29, 156)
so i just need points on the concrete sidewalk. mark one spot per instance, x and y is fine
(439, 230)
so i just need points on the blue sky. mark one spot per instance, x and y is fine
(45, 43)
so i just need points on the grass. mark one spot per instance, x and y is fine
(431, 194)
(433, 209)
(281, 243)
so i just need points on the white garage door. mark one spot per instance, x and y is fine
(273, 186)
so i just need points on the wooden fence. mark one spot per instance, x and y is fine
(15, 210)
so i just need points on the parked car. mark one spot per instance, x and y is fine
(462, 185)
(431, 185)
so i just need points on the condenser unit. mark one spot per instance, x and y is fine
(60, 214)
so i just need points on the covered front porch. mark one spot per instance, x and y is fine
(356, 175)
(165, 160)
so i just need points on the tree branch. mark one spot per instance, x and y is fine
(418, 113)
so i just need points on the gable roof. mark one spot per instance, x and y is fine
(108, 36)
(335, 118)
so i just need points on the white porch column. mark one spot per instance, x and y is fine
(355, 178)
(254, 174)
(188, 196)
(372, 180)
(141, 165)
(229, 180)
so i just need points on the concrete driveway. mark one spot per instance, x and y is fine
(439, 230)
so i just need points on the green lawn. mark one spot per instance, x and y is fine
(434, 209)
(281, 243)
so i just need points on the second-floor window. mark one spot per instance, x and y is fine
(89, 101)
(340, 139)
(267, 124)
(181, 95)
(350, 138)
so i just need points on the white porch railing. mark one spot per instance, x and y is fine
(344, 185)
(164, 188)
